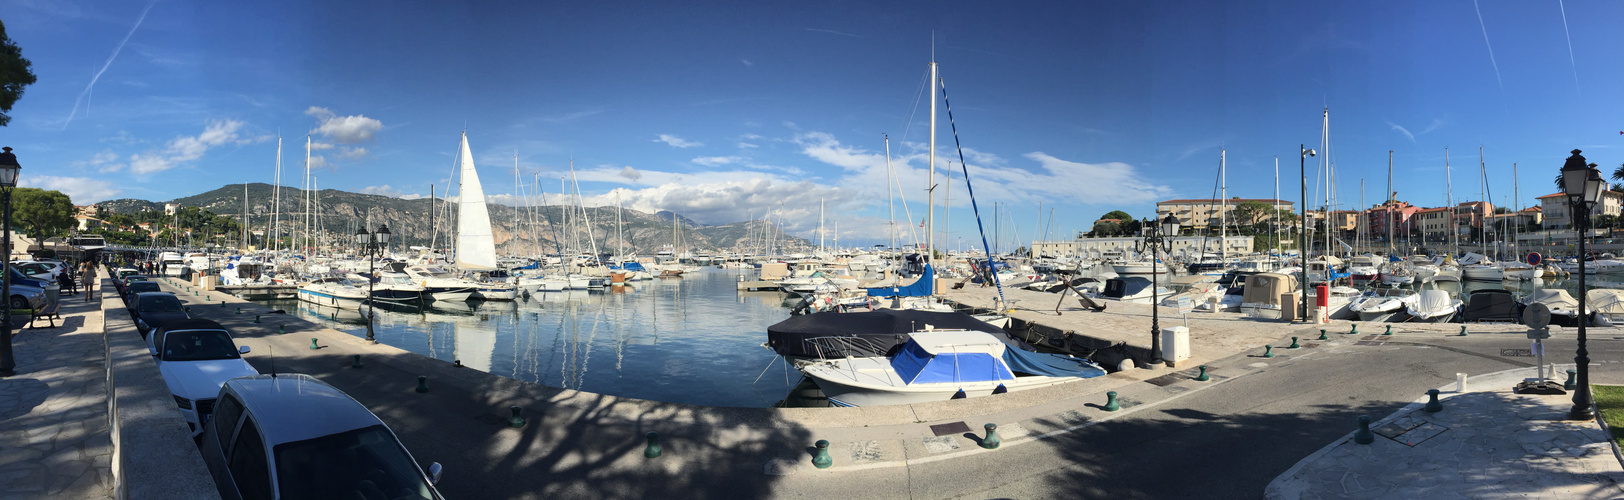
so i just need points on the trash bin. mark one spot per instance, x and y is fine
(53, 295)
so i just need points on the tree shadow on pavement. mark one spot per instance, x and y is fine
(573, 445)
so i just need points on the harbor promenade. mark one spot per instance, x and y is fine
(1244, 433)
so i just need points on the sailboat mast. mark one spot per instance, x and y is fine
(518, 190)
(306, 197)
(1275, 217)
(930, 215)
(1449, 199)
(434, 231)
(1516, 212)
(1223, 203)
(820, 227)
(1390, 204)
(276, 206)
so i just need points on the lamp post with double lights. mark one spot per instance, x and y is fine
(1582, 183)
(372, 245)
(8, 180)
(1156, 240)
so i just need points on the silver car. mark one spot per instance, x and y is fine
(293, 436)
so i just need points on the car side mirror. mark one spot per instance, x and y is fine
(434, 473)
(188, 308)
(153, 351)
(242, 350)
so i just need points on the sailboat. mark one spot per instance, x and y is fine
(476, 248)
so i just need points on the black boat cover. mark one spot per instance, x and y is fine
(868, 333)
(1491, 304)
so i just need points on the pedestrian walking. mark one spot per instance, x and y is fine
(90, 279)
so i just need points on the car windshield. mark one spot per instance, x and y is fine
(143, 286)
(160, 303)
(134, 278)
(198, 345)
(363, 463)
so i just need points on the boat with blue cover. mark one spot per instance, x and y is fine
(937, 365)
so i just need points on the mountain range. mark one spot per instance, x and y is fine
(516, 230)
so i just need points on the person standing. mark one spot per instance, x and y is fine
(90, 278)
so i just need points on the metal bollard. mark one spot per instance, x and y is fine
(652, 449)
(821, 460)
(256, 319)
(1433, 406)
(1363, 435)
(1322, 335)
(1355, 330)
(1389, 330)
(1572, 383)
(1203, 376)
(516, 420)
(313, 344)
(422, 384)
(991, 442)
(1268, 351)
(1462, 331)
(356, 362)
(1294, 344)
(239, 310)
(281, 329)
(1111, 401)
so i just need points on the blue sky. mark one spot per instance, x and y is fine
(724, 110)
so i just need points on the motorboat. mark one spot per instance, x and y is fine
(828, 335)
(1518, 271)
(1337, 304)
(1478, 267)
(1564, 308)
(1491, 305)
(333, 292)
(1397, 274)
(1606, 306)
(1385, 304)
(938, 365)
(1434, 306)
(396, 287)
(1262, 296)
(1363, 268)
(1139, 268)
(1132, 289)
(440, 284)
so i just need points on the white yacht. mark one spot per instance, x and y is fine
(333, 292)
(938, 365)
(1433, 306)
(440, 284)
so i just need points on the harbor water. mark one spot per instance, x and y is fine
(693, 340)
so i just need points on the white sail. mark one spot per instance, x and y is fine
(476, 249)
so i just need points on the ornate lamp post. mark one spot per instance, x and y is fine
(8, 180)
(1156, 241)
(372, 245)
(1583, 185)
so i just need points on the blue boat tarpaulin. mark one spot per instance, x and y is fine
(629, 266)
(1052, 365)
(916, 366)
(921, 288)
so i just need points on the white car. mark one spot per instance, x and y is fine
(293, 436)
(42, 269)
(196, 357)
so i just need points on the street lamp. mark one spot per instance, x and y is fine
(1156, 240)
(371, 245)
(1302, 246)
(8, 180)
(1583, 185)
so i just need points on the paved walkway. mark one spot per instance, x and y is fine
(54, 436)
(1487, 442)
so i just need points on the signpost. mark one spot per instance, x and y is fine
(1185, 306)
(1538, 318)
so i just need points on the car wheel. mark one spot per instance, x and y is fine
(19, 302)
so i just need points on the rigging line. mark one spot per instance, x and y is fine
(976, 209)
(919, 95)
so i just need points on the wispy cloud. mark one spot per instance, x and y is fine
(1402, 130)
(1436, 122)
(344, 130)
(713, 161)
(1485, 29)
(104, 162)
(189, 148)
(832, 32)
(82, 190)
(568, 117)
(387, 190)
(677, 142)
(747, 62)
(84, 96)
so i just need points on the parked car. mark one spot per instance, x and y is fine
(196, 357)
(26, 297)
(154, 309)
(40, 269)
(293, 436)
(18, 278)
(124, 282)
(136, 288)
(120, 273)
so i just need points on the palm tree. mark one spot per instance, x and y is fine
(1618, 173)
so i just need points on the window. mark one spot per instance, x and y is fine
(226, 413)
(248, 465)
(198, 345)
(363, 463)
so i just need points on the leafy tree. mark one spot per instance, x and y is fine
(40, 213)
(1618, 175)
(1105, 228)
(1502, 210)
(1118, 215)
(14, 75)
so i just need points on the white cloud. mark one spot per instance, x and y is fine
(751, 137)
(631, 173)
(746, 145)
(83, 190)
(747, 62)
(185, 148)
(712, 161)
(346, 129)
(104, 162)
(386, 190)
(677, 142)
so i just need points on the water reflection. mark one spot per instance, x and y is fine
(689, 340)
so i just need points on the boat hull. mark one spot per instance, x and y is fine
(329, 300)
